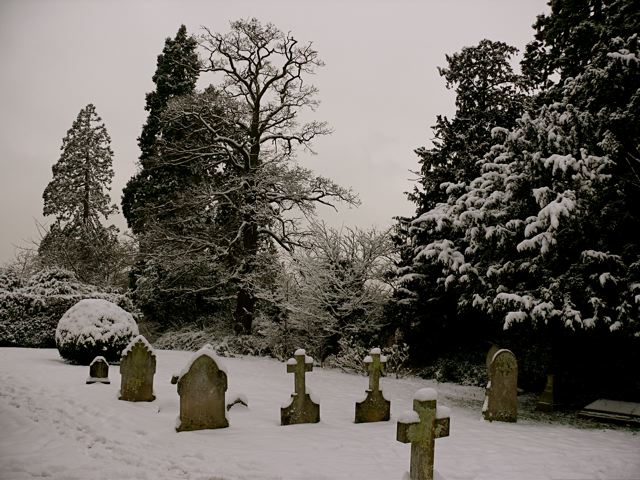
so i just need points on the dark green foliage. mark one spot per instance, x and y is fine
(78, 193)
(30, 313)
(542, 240)
(78, 196)
(488, 95)
(152, 187)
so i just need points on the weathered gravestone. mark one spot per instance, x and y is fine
(501, 397)
(374, 408)
(421, 427)
(545, 400)
(301, 409)
(137, 368)
(202, 386)
(98, 371)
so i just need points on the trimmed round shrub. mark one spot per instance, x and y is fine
(94, 327)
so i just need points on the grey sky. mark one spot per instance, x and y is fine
(380, 88)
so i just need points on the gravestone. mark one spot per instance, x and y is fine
(137, 367)
(613, 411)
(202, 385)
(421, 427)
(98, 371)
(374, 408)
(501, 397)
(301, 409)
(545, 400)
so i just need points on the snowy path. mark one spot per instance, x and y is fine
(55, 426)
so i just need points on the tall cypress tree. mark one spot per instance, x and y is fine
(176, 75)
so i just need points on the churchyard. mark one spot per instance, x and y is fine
(55, 425)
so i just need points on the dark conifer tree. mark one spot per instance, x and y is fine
(78, 197)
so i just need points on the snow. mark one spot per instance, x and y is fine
(425, 394)
(205, 350)
(375, 351)
(95, 318)
(141, 339)
(54, 425)
(98, 359)
(299, 352)
(410, 416)
(443, 412)
(308, 359)
(292, 361)
(368, 359)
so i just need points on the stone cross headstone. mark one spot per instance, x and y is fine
(421, 427)
(545, 400)
(501, 397)
(137, 367)
(202, 386)
(374, 408)
(301, 409)
(98, 371)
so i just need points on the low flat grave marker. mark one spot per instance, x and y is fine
(501, 398)
(202, 385)
(374, 408)
(98, 371)
(137, 368)
(421, 427)
(301, 409)
(614, 411)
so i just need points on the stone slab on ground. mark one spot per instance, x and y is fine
(612, 411)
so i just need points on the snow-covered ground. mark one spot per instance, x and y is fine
(53, 425)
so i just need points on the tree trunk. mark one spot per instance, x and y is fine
(246, 300)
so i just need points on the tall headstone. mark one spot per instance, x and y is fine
(374, 408)
(202, 385)
(501, 397)
(301, 409)
(421, 427)
(137, 368)
(545, 400)
(98, 371)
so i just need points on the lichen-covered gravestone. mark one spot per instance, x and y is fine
(501, 397)
(421, 427)
(137, 368)
(301, 409)
(374, 408)
(98, 371)
(202, 386)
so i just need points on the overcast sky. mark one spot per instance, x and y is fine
(380, 89)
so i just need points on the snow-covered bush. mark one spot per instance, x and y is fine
(29, 313)
(94, 327)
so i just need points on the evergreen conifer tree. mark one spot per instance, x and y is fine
(78, 197)
(176, 74)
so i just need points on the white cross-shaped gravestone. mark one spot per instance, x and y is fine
(421, 427)
(301, 409)
(374, 408)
